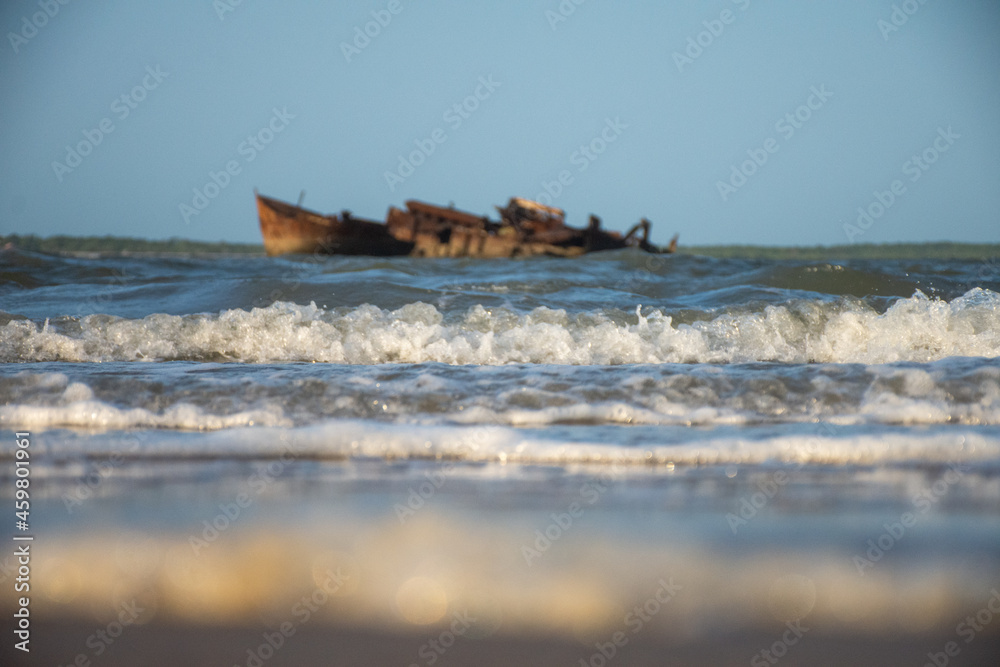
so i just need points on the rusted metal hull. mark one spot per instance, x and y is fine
(288, 229)
(525, 228)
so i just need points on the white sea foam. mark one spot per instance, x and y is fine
(882, 408)
(345, 439)
(665, 414)
(91, 414)
(954, 391)
(914, 329)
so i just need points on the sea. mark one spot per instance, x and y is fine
(623, 458)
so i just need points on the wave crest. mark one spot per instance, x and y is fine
(917, 329)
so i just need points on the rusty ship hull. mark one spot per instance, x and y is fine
(289, 229)
(525, 228)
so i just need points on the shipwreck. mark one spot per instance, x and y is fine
(525, 228)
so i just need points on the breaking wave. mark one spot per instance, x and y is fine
(847, 330)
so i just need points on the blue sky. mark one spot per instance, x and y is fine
(729, 121)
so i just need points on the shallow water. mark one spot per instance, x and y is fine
(542, 441)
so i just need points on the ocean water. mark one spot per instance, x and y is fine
(674, 448)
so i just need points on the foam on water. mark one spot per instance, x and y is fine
(842, 331)
(93, 414)
(72, 404)
(100, 415)
(958, 391)
(359, 439)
